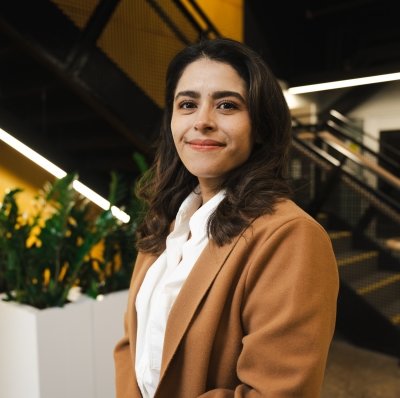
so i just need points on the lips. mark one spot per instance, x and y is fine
(205, 144)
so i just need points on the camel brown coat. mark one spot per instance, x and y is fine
(255, 317)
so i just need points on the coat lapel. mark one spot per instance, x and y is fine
(196, 286)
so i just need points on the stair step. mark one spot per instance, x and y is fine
(370, 281)
(396, 319)
(342, 241)
(392, 311)
(357, 265)
(388, 304)
(386, 279)
(383, 293)
(356, 257)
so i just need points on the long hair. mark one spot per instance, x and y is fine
(254, 187)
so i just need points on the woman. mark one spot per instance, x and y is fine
(234, 289)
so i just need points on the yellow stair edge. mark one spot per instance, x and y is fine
(395, 319)
(357, 257)
(378, 285)
(339, 234)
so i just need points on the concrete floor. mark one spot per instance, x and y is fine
(354, 372)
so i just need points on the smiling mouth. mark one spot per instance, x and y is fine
(204, 145)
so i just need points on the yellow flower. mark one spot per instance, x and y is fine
(72, 221)
(21, 221)
(46, 277)
(109, 268)
(68, 233)
(63, 271)
(98, 251)
(41, 223)
(79, 241)
(36, 230)
(33, 240)
(117, 262)
(95, 266)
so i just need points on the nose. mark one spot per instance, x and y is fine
(204, 121)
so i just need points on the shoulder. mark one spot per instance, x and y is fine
(289, 239)
(286, 219)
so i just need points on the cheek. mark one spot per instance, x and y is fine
(176, 129)
(244, 139)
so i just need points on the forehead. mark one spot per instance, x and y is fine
(207, 74)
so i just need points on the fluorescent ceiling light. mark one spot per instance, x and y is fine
(344, 83)
(59, 173)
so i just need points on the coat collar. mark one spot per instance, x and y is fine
(194, 289)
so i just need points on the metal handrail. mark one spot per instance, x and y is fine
(360, 159)
(183, 8)
(211, 28)
(389, 203)
(338, 131)
(348, 123)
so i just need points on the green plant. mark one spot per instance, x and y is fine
(43, 256)
(66, 242)
(112, 259)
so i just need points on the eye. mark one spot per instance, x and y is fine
(186, 105)
(227, 105)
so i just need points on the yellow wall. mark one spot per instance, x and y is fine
(17, 171)
(226, 15)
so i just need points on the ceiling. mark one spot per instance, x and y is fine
(310, 41)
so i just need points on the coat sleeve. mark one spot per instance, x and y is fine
(288, 315)
(125, 379)
(124, 374)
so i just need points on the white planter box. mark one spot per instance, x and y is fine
(46, 353)
(108, 328)
(60, 352)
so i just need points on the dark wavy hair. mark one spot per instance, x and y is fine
(253, 188)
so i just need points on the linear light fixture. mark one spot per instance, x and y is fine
(59, 173)
(344, 83)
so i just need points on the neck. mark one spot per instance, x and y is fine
(208, 190)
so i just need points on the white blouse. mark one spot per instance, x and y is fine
(163, 282)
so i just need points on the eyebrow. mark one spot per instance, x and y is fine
(215, 95)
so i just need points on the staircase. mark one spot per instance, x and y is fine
(374, 292)
(361, 220)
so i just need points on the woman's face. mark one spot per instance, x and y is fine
(210, 122)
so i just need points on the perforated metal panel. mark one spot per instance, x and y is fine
(141, 37)
(79, 11)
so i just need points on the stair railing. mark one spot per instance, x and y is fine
(342, 126)
(336, 165)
